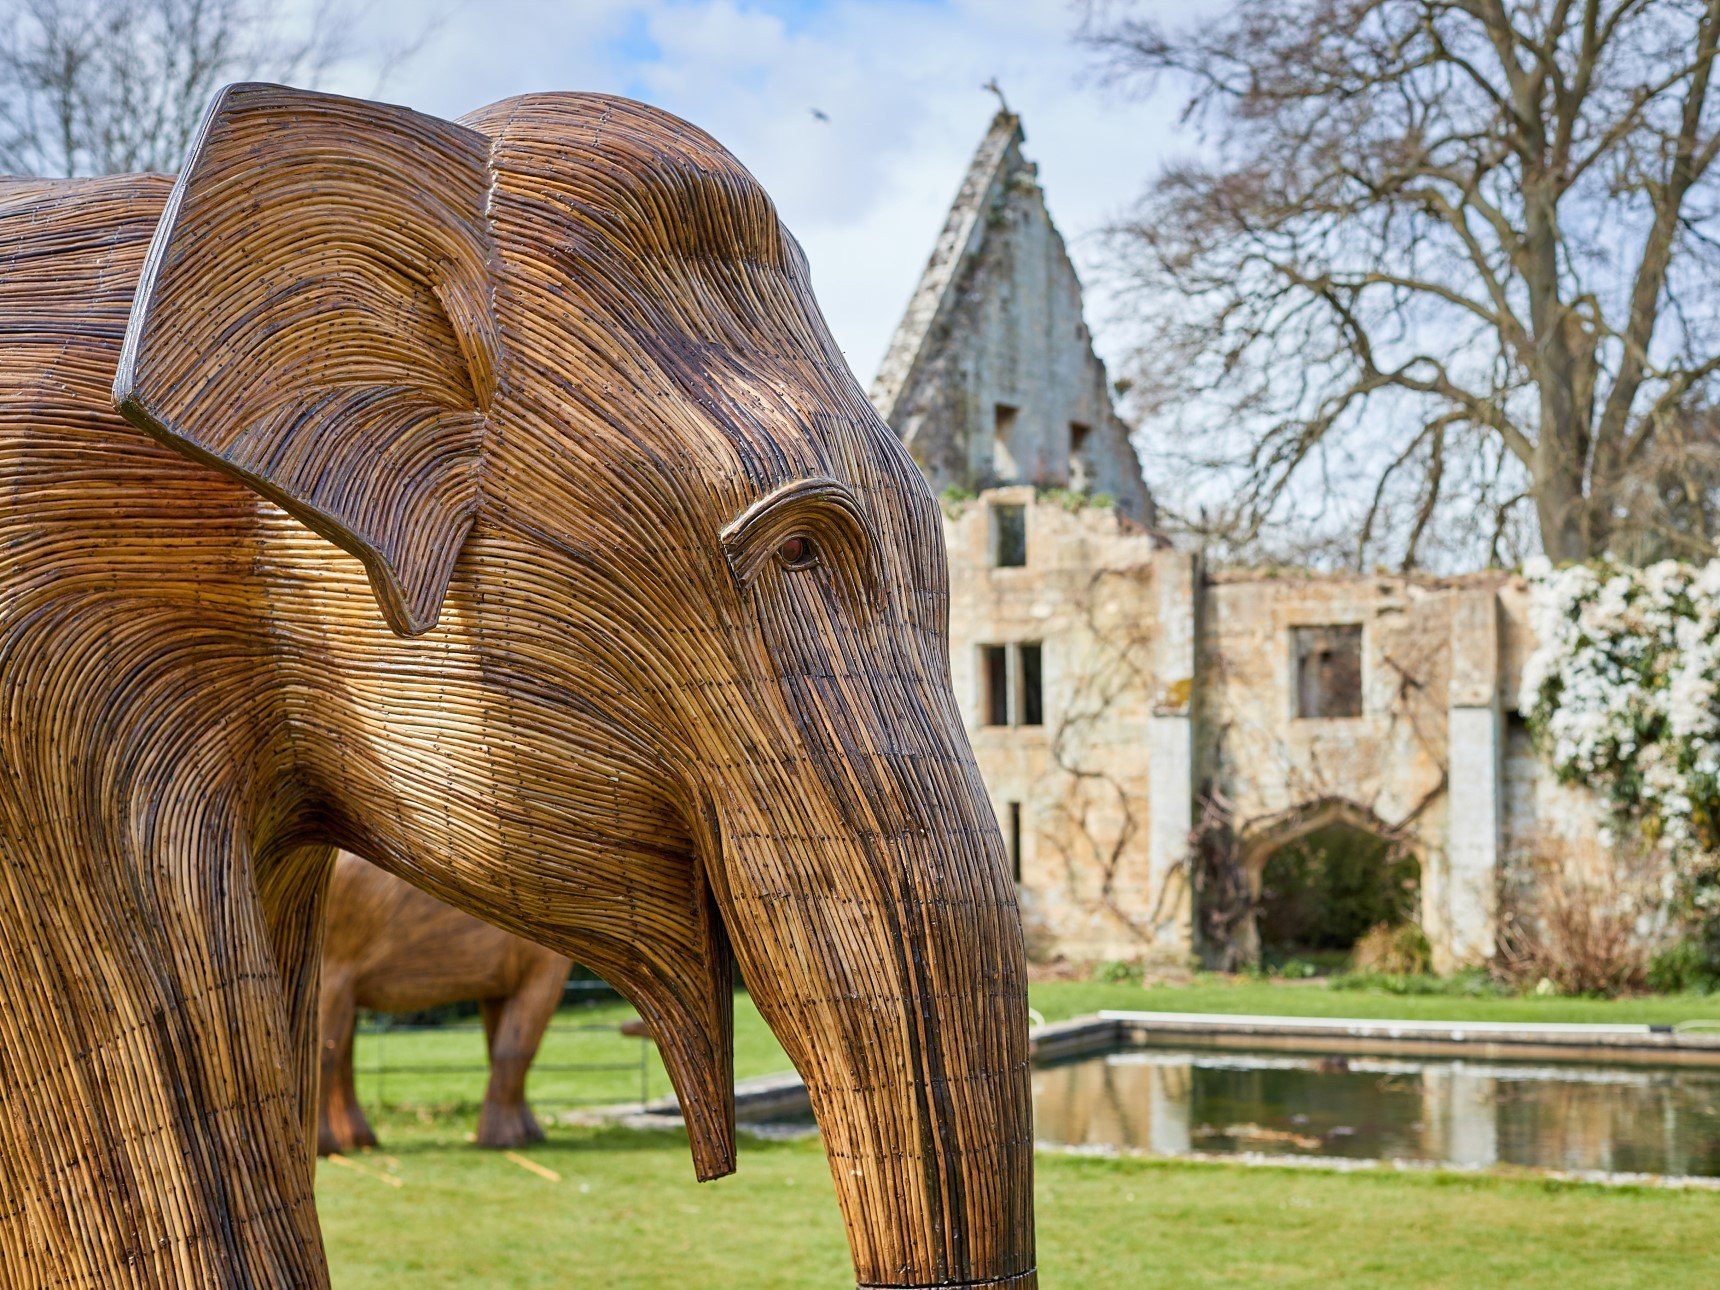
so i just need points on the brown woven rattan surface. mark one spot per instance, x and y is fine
(545, 392)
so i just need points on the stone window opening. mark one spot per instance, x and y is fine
(1014, 809)
(1080, 467)
(1012, 684)
(1009, 536)
(1003, 463)
(994, 679)
(1030, 677)
(1328, 671)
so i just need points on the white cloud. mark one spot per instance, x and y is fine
(899, 80)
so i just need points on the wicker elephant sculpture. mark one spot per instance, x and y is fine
(392, 948)
(487, 498)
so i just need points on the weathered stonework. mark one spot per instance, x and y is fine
(1080, 781)
(1162, 682)
(1389, 769)
(1111, 683)
(991, 378)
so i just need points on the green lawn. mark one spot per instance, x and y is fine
(1059, 1000)
(625, 1211)
(583, 1036)
(588, 1035)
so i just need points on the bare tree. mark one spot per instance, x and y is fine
(1442, 267)
(91, 87)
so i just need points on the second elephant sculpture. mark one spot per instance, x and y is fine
(393, 948)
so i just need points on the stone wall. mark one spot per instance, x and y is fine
(1420, 740)
(1163, 682)
(1079, 781)
(1116, 692)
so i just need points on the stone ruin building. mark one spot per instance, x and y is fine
(1127, 704)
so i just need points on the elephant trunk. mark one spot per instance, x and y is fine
(891, 966)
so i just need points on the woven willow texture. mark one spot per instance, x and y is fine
(545, 392)
(393, 948)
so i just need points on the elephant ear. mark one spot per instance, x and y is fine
(314, 318)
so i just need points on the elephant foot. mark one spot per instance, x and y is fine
(344, 1138)
(503, 1127)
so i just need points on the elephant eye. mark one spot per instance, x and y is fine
(797, 552)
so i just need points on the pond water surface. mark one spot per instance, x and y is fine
(1437, 1111)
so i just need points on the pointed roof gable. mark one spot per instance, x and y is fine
(997, 157)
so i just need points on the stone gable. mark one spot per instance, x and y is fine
(991, 379)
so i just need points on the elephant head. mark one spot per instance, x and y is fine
(668, 677)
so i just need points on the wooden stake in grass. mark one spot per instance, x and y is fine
(346, 1162)
(532, 1166)
(488, 499)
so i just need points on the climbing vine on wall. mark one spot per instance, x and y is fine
(1622, 694)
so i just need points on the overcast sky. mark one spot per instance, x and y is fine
(866, 190)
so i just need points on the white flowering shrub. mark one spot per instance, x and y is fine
(1622, 693)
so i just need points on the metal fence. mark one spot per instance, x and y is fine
(375, 1076)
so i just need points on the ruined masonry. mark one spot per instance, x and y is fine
(991, 378)
(1114, 688)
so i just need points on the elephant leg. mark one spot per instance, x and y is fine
(514, 1027)
(293, 887)
(491, 1012)
(341, 1126)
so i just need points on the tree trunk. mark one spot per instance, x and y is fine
(1563, 513)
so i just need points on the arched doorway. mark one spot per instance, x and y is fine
(1322, 876)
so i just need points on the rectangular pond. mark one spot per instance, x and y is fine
(1429, 1110)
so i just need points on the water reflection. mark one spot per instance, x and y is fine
(1616, 1120)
